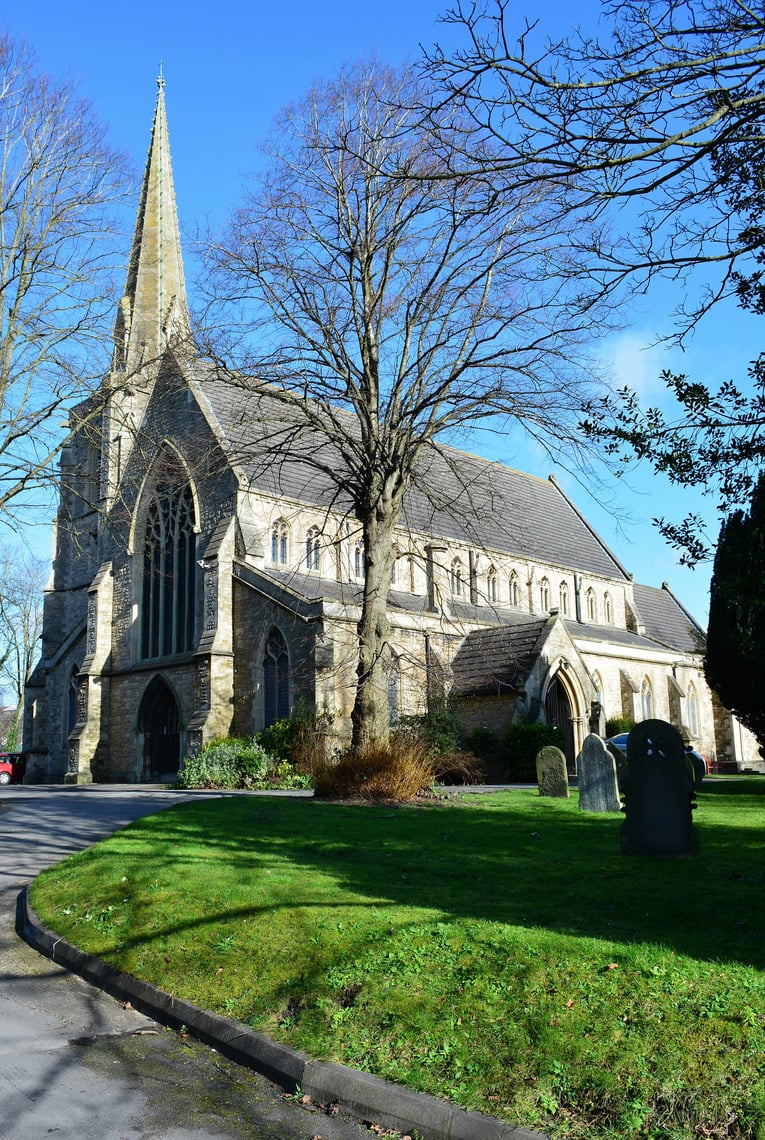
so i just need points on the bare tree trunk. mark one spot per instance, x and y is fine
(371, 714)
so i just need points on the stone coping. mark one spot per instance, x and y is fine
(364, 1096)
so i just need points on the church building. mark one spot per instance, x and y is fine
(200, 589)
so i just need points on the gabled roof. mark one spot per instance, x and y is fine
(455, 497)
(666, 620)
(497, 660)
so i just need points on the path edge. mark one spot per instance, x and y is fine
(366, 1097)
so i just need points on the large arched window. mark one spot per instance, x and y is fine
(515, 590)
(169, 573)
(276, 679)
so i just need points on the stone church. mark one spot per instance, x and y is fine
(198, 590)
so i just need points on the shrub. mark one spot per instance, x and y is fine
(238, 762)
(299, 738)
(459, 768)
(617, 724)
(439, 729)
(398, 771)
(523, 741)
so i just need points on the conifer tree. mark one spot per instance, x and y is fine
(736, 637)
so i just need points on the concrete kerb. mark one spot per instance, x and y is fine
(364, 1096)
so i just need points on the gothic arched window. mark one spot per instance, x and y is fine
(564, 599)
(598, 687)
(544, 594)
(491, 583)
(279, 542)
(515, 590)
(646, 699)
(590, 605)
(608, 610)
(359, 560)
(276, 679)
(693, 711)
(169, 573)
(394, 687)
(456, 578)
(312, 549)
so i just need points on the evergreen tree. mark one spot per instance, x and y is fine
(736, 636)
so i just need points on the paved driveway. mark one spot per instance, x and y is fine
(74, 1063)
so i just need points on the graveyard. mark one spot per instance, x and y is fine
(499, 950)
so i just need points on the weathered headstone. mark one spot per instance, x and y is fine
(596, 768)
(658, 804)
(552, 776)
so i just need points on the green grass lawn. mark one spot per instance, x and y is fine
(496, 950)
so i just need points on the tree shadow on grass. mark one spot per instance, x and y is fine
(512, 858)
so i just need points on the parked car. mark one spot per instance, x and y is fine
(701, 765)
(13, 765)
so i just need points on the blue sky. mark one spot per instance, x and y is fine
(229, 68)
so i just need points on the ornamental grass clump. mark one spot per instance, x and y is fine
(399, 771)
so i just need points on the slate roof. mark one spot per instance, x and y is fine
(497, 660)
(666, 620)
(456, 496)
(583, 631)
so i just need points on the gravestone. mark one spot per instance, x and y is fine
(658, 803)
(552, 776)
(596, 767)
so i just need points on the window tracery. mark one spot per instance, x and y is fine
(313, 549)
(276, 679)
(279, 542)
(169, 573)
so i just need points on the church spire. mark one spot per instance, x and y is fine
(154, 309)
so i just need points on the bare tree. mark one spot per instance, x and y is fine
(59, 183)
(631, 118)
(22, 579)
(394, 303)
(655, 126)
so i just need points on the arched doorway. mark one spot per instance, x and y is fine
(558, 711)
(159, 728)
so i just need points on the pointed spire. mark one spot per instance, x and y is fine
(154, 308)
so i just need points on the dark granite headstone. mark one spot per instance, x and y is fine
(596, 768)
(552, 776)
(658, 803)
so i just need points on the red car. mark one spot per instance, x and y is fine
(13, 765)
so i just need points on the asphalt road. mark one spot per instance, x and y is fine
(73, 1062)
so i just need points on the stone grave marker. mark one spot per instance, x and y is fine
(551, 773)
(596, 767)
(658, 803)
